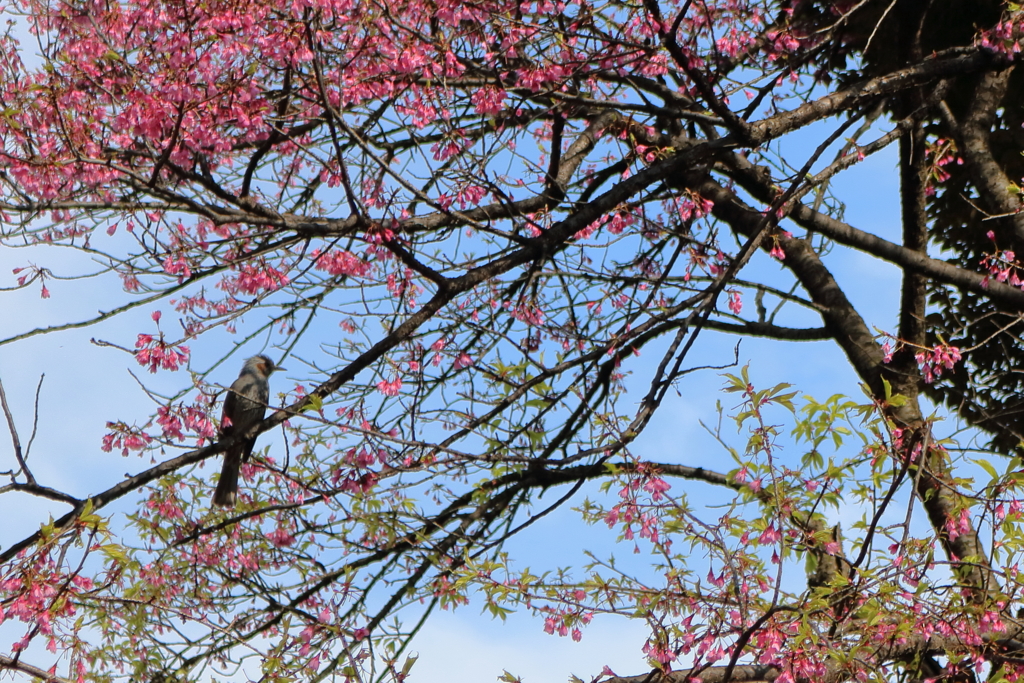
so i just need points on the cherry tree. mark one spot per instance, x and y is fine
(464, 228)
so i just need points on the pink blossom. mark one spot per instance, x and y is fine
(718, 581)
(735, 302)
(933, 362)
(390, 388)
(175, 264)
(339, 262)
(124, 437)
(887, 352)
(253, 278)
(659, 653)
(280, 538)
(770, 535)
(156, 353)
(656, 486)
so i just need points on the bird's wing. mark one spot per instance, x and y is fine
(263, 396)
(230, 401)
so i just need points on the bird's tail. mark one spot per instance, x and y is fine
(227, 487)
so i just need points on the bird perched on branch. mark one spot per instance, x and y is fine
(244, 406)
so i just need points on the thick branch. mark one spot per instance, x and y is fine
(12, 664)
(905, 376)
(757, 182)
(851, 98)
(986, 173)
(765, 329)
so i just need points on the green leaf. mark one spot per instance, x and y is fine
(499, 611)
(115, 552)
(987, 466)
(785, 400)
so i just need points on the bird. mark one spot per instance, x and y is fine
(244, 406)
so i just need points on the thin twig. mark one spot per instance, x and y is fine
(14, 438)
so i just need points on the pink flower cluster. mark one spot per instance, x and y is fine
(403, 286)
(253, 278)
(553, 624)
(489, 101)
(959, 524)
(569, 616)
(941, 153)
(735, 302)
(340, 262)
(390, 387)
(1005, 37)
(176, 264)
(156, 353)
(659, 652)
(527, 313)
(1002, 265)
(124, 437)
(931, 361)
(41, 596)
(634, 510)
(176, 420)
(353, 482)
(616, 223)
(694, 206)
(281, 537)
(934, 361)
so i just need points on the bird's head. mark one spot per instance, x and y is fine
(261, 365)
